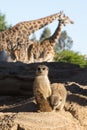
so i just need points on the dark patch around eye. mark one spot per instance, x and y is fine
(38, 68)
(44, 68)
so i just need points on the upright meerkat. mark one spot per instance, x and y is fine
(58, 96)
(42, 88)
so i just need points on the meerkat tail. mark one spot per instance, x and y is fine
(43, 104)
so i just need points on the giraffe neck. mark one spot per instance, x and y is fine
(54, 38)
(34, 25)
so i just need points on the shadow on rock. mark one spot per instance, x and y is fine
(77, 99)
(21, 105)
(76, 89)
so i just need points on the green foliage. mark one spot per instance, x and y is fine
(45, 34)
(71, 57)
(3, 24)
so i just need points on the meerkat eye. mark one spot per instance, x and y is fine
(38, 68)
(44, 68)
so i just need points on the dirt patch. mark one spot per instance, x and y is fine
(20, 112)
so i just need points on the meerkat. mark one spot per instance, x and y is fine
(43, 104)
(58, 96)
(42, 88)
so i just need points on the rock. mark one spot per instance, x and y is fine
(17, 78)
(47, 121)
(41, 121)
(18, 110)
(20, 113)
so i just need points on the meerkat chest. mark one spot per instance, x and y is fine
(42, 84)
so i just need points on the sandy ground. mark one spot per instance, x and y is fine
(20, 113)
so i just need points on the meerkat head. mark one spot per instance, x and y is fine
(55, 101)
(42, 70)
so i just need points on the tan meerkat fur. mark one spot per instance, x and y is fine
(43, 104)
(58, 96)
(42, 88)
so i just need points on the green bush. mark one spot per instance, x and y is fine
(3, 23)
(71, 57)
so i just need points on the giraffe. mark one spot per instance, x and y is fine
(19, 34)
(43, 51)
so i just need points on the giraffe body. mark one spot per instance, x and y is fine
(44, 51)
(39, 51)
(19, 34)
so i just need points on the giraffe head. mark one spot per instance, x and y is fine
(65, 19)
